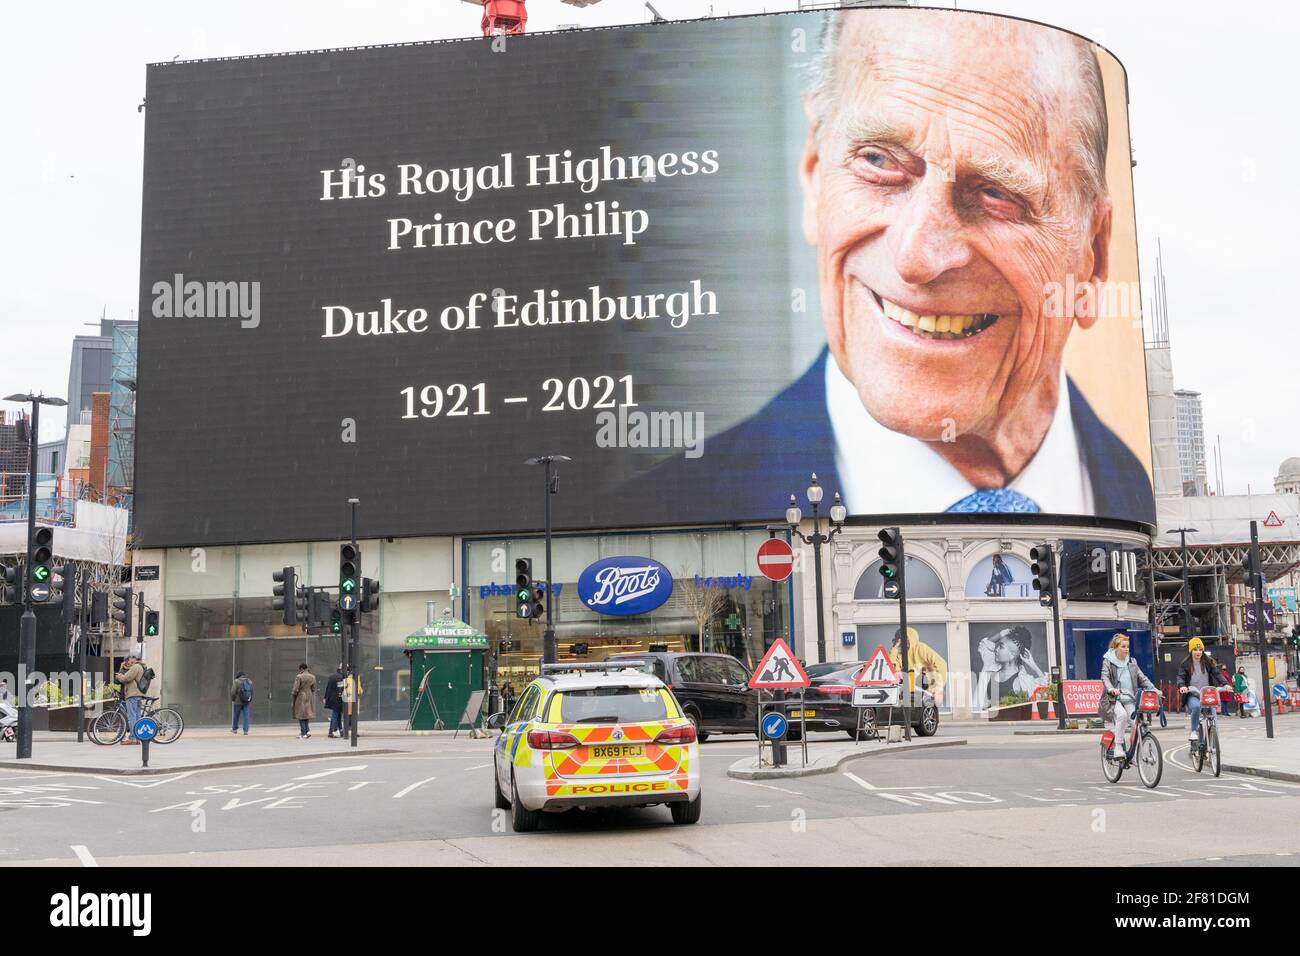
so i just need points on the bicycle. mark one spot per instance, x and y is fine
(110, 727)
(1142, 744)
(1206, 746)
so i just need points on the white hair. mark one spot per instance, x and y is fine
(1090, 123)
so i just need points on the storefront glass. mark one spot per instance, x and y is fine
(719, 603)
(219, 621)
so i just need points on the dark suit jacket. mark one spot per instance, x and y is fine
(750, 470)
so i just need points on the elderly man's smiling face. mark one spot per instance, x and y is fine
(944, 190)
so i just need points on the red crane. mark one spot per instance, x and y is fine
(502, 16)
(509, 16)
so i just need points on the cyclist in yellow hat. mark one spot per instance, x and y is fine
(1198, 671)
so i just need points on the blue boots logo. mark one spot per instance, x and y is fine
(625, 585)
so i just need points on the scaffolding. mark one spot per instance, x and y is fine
(121, 416)
(1216, 579)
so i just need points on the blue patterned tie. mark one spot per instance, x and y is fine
(995, 500)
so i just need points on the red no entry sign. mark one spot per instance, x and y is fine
(775, 559)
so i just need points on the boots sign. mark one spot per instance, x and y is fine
(625, 585)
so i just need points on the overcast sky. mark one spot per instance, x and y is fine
(1214, 98)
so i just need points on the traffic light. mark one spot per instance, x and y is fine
(302, 606)
(539, 600)
(318, 607)
(98, 608)
(524, 587)
(1251, 567)
(369, 595)
(1295, 636)
(11, 579)
(286, 595)
(42, 549)
(150, 623)
(891, 561)
(1044, 572)
(67, 595)
(58, 579)
(122, 609)
(336, 621)
(349, 570)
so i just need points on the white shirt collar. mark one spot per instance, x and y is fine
(885, 472)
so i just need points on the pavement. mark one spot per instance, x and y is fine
(829, 756)
(1247, 750)
(205, 749)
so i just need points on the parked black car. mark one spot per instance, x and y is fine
(713, 689)
(828, 705)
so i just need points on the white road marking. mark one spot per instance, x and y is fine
(170, 778)
(768, 786)
(326, 773)
(867, 786)
(477, 766)
(405, 790)
(83, 855)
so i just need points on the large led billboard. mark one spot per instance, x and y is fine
(894, 247)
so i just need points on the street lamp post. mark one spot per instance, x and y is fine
(27, 627)
(793, 517)
(550, 653)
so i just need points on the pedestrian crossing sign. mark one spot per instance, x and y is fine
(778, 670)
(879, 671)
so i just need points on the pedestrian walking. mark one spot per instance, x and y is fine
(334, 701)
(1240, 688)
(303, 700)
(4, 690)
(241, 699)
(129, 676)
(352, 691)
(508, 697)
(1225, 700)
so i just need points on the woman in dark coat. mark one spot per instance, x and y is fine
(334, 701)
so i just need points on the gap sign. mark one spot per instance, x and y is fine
(625, 585)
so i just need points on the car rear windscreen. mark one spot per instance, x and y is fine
(612, 705)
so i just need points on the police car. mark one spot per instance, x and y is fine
(595, 735)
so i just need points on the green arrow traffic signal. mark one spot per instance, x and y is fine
(40, 573)
(348, 584)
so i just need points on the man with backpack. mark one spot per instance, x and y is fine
(131, 676)
(241, 696)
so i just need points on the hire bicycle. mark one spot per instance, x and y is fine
(1142, 745)
(110, 727)
(1205, 749)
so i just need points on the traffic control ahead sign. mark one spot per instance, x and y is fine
(778, 670)
(879, 671)
(1082, 698)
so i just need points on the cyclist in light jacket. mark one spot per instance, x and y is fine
(1121, 679)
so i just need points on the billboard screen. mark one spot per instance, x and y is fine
(894, 247)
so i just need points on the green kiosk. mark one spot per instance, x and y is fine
(447, 667)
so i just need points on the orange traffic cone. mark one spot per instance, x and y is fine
(1033, 708)
(1051, 709)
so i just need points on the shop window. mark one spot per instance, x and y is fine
(922, 582)
(1000, 575)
